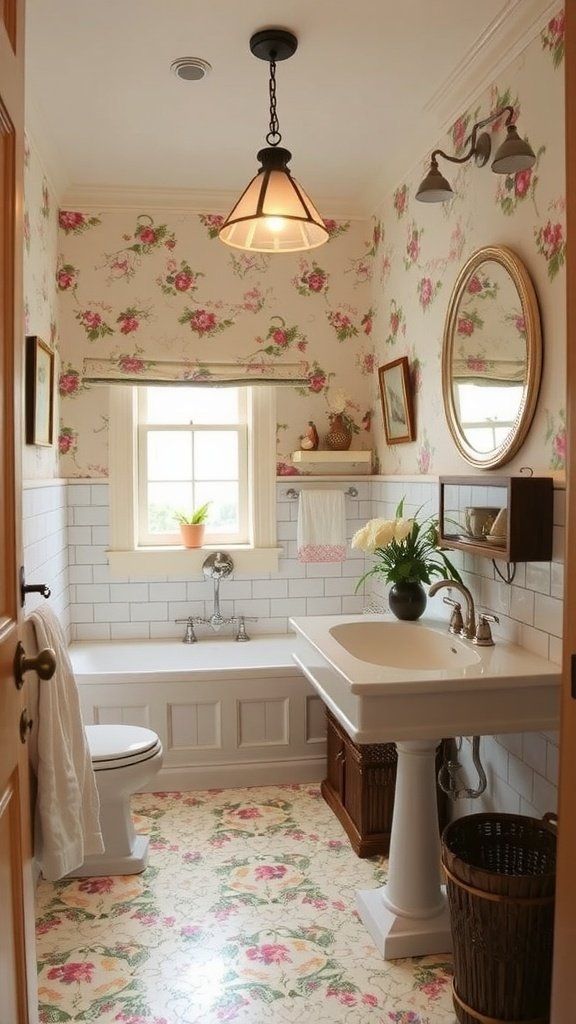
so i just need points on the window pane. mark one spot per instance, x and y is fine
(223, 511)
(216, 455)
(191, 405)
(163, 500)
(169, 455)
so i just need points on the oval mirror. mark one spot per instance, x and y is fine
(491, 357)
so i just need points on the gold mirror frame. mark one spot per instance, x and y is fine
(529, 304)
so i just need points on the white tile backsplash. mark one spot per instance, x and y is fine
(65, 529)
(548, 613)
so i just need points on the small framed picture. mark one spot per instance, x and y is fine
(396, 398)
(39, 392)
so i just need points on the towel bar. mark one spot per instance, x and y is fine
(293, 493)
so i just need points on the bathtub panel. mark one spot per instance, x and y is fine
(227, 714)
(116, 714)
(315, 720)
(195, 725)
(263, 722)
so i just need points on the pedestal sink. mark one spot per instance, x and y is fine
(412, 684)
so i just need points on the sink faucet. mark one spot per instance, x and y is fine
(469, 628)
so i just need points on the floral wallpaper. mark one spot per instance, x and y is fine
(139, 286)
(40, 299)
(421, 248)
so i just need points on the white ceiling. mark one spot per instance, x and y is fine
(371, 87)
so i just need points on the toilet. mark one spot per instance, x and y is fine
(124, 759)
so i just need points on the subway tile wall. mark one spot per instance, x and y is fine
(66, 534)
(45, 538)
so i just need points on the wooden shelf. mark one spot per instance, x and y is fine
(332, 456)
(529, 504)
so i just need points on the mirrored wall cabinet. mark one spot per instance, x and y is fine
(505, 517)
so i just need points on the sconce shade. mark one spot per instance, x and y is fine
(274, 214)
(434, 188)
(514, 155)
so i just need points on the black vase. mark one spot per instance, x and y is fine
(407, 600)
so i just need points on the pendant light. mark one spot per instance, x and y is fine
(274, 214)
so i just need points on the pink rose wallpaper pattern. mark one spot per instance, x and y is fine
(139, 286)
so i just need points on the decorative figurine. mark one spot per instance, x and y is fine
(310, 440)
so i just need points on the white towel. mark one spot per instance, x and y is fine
(67, 827)
(321, 533)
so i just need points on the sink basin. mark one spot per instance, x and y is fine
(401, 645)
(386, 680)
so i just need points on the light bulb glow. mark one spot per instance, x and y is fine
(275, 224)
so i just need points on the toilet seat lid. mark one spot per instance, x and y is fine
(117, 742)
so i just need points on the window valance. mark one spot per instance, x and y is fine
(134, 370)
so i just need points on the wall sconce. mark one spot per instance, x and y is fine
(274, 214)
(513, 155)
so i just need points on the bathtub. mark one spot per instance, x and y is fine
(228, 713)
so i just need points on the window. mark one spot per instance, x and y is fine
(173, 448)
(192, 449)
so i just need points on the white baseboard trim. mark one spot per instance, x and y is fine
(235, 776)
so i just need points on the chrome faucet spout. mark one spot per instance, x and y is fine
(469, 628)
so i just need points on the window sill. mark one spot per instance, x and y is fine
(177, 562)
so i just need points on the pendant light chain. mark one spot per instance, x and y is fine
(273, 137)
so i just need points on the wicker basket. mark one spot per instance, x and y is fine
(500, 871)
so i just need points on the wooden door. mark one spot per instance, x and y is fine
(18, 1001)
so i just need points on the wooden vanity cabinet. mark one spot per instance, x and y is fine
(359, 787)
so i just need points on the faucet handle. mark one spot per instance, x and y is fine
(483, 637)
(189, 636)
(241, 634)
(456, 624)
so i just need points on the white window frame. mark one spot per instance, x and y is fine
(127, 558)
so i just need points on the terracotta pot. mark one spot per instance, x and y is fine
(407, 600)
(339, 437)
(192, 534)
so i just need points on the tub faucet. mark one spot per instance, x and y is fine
(217, 567)
(469, 628)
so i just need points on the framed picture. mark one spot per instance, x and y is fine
(39, 392)
(396, 397)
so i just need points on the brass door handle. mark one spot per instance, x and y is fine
(44, 664)
(26, 724)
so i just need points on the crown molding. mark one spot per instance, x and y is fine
(503, 40)
(119, 197)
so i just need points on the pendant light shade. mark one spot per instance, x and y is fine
(274, 214)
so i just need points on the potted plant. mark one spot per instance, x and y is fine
(193, 525)
(407, 555)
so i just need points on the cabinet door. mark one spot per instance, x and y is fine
(336, 758)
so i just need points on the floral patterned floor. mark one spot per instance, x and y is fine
(245, 913)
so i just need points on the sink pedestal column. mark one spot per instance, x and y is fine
(409, 915)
